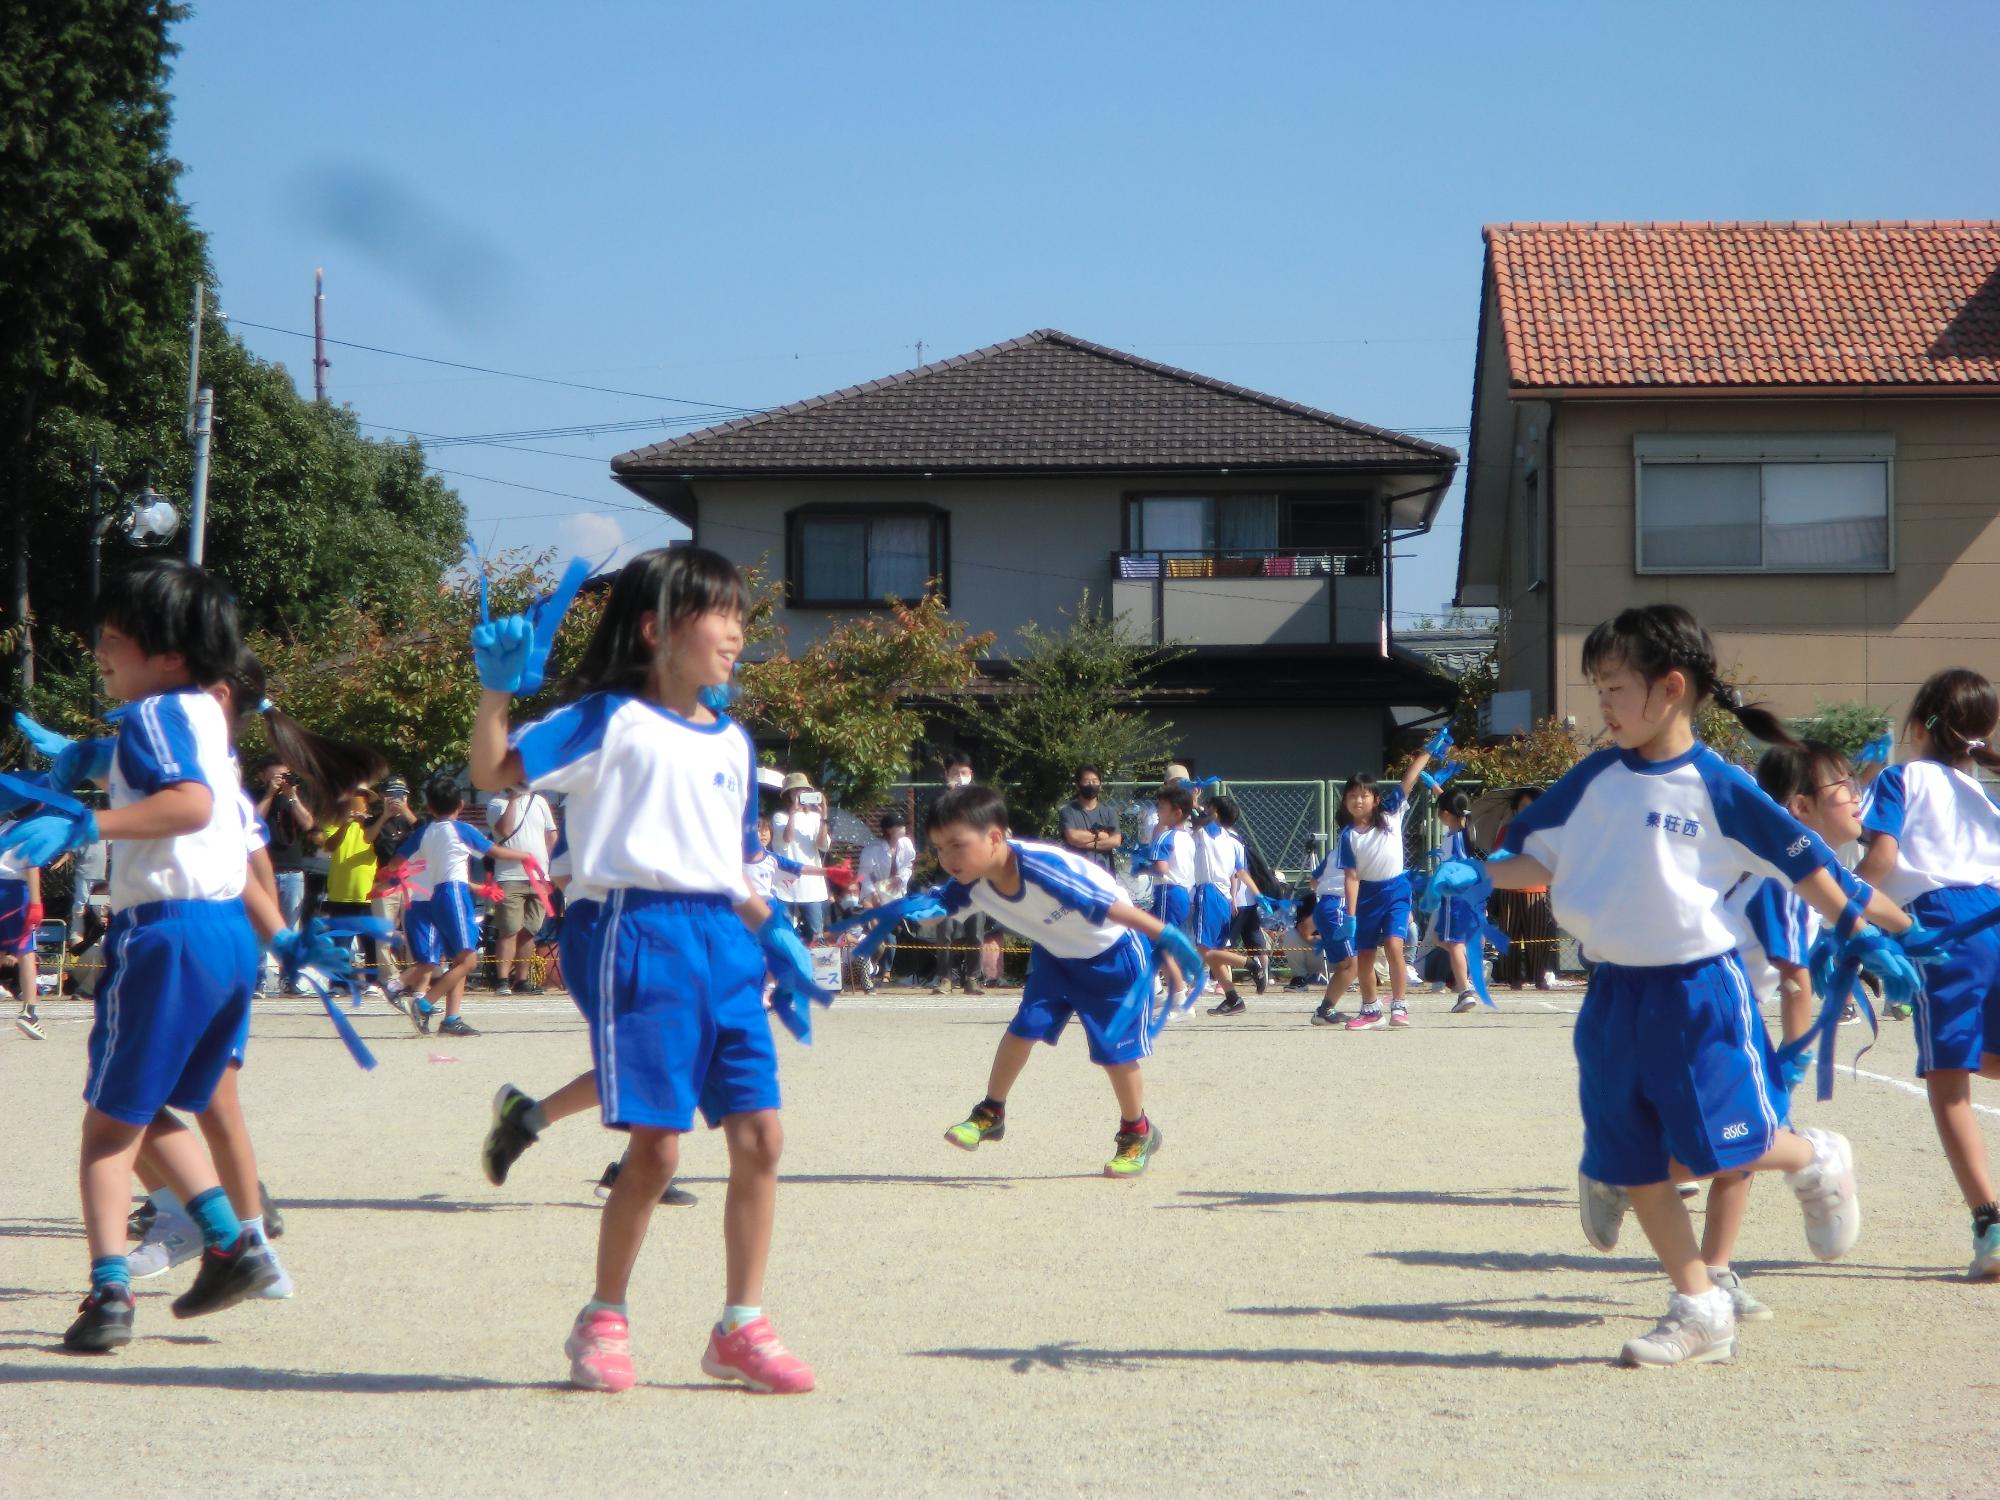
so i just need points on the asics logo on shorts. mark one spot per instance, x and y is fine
(1735, 1132)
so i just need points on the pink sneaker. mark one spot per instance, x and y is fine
(754, 1356)
(1368, 1020)
(1399, 1017)
(600, 1352)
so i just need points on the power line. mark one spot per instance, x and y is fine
(539, 490)
(453, 364)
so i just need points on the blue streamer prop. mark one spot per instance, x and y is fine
(513, 651)
(1439, 742)
(19, 789)
(878, 922)
(1177, 945)
(1876, 752)
(1437, 780)
(1467, 881)
(790, 968)
(319, 947)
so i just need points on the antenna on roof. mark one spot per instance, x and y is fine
(321, 364)
(920, 351)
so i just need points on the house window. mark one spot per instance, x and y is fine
(1790, 503)
(854, 557)
(1202, 524)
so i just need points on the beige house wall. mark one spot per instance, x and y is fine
(1794, 640)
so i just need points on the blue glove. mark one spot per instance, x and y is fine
(791, 971)
(49, 835)
(1438, 743)
(45, 741)
(1876, 752)
(878, 923)
(81, 761)
(1924, 944)
(1436, 780)
(1349, 928)
(500, 653)
(1793, 1068)
(1879, 954)
(1464, 878)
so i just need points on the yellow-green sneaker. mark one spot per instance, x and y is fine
(981, 1125)
(1134, 1151)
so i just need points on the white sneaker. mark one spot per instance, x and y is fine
(1695, 1331)
(1602, 1208)
(1985, 1255)
(30, 1025)
(1826, 1193)
(171, 1239)
(282, 1288)
(374, 992)
(1746, 1307)
(1547, 981)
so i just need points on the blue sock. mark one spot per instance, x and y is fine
(110, 1270)
(217, 1220)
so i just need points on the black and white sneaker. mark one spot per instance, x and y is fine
(1232, 1005)
(103, 1322)
(274, 1220)
(140, 1220)
(30, 1024)
(517, 1125)
(1260, 973)
(1327, 1015)
(227, 1277)
(674, 1197)
(1467, 1000)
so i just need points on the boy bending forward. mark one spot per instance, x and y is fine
(1091, 957)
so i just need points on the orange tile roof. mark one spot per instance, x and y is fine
(1748, 305)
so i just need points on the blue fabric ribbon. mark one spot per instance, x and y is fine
(878, 922)
(1177, 945)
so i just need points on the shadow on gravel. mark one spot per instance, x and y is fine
(1512, 1198)
(1514, 1260)
(1069, 1356)
(41, 1229)
(1498, 1312)
(900, 1179)
(428, 1203)
(247, 1378)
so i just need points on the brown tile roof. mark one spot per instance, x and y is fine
(1701, 304)
(1046, 402)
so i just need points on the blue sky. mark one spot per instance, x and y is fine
(742, 205)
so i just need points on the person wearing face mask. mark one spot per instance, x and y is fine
(958, 940)
(801, 833)
(1088, 826)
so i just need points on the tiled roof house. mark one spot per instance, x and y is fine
(1019, 478)
(1791, 428)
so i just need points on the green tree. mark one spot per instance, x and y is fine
(1846, 726)
(852, 705)
(1070, 703)
(98, 257)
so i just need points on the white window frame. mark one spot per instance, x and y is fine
(1750, 448)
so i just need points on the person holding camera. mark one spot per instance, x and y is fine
(285, 813)
(801, 833)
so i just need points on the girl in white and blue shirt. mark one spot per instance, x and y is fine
(1639, 845)
(661, 817)
(1376, 886)
(1934, 844)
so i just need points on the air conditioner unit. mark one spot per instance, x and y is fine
(1505, 714)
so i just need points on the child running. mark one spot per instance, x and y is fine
(1090, 956)
(1221, 870)
(1638, 844)
(1458, 925)
(1933, 840)
(180, 956)
(1173, 870)
(1377, 890)
(20, 919)
(444, 932)
(660, 814)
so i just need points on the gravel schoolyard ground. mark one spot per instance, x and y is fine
(1354, 1268)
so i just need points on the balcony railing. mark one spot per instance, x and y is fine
(1252, 596)
(1246, 562)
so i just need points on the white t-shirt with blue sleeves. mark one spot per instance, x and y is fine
(1217, 858)
(1772, 926)
(440, 853)
(1641, 853)
(1176, 848)
(654, 801)
(1947, 830)
(164, 741)
(1064, 905)
(1375, 854)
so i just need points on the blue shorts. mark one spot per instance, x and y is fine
(1381, 912)
(420, 931)
(1674, 1062)
(1172, 906)
(16, 936)
(452, 915)
(1212, 916)
(1334, 946)
(1958, 1013)
(172, 1004)
(573, 947)
(675, 1001)
(1111, 995)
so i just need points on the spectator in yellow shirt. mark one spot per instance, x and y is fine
(351, 874)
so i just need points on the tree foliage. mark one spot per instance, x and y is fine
(852, 706)
(1846, 726)
(1070, 703)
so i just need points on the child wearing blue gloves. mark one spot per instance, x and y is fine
(661, 814)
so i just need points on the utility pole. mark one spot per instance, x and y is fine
(920, 353)
(204, 417)
(194, 354)
(320, 362)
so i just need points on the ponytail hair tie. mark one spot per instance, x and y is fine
(1975, 745)
(265, 706)
(1729, 697)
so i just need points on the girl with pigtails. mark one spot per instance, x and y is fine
(1638, 845)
